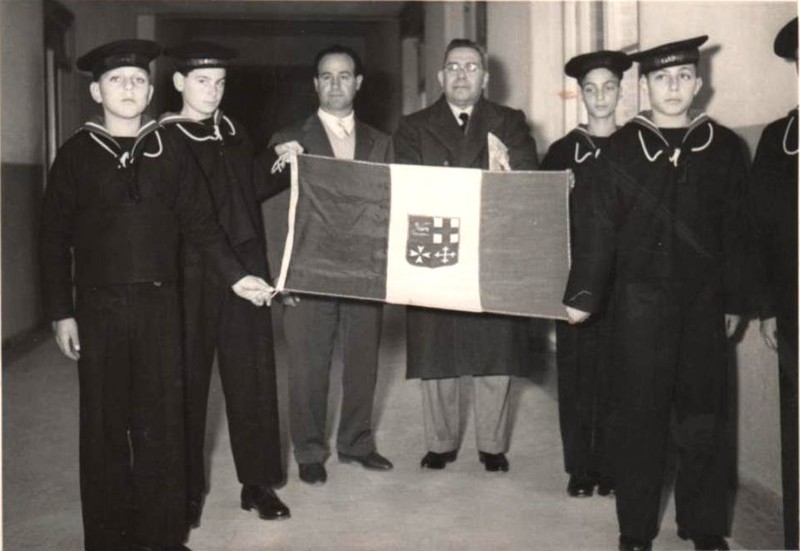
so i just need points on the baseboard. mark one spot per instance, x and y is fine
(20, 344)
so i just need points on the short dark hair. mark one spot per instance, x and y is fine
(466, 43)
(339, 49)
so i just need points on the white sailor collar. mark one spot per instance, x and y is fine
(698, 121)
(100, 135)
(197, 130)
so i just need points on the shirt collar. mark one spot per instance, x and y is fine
(340, 126)
(458, 110)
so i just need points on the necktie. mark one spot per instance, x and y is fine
(464, 118)
(343, 127)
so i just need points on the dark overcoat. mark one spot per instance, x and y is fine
(443, 343)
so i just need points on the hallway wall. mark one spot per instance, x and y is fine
(21, 172)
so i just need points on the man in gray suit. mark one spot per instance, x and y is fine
(313, 323)
(444, 345)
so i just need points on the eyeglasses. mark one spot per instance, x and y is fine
(454, 68)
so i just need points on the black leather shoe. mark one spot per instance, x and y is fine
(313, 473)
(433, 460)
(705, 541)
(494, 462)
(265, 501)
(580, 486)
(194, 510)
(606, 486)
(634, 544)
(372, 461)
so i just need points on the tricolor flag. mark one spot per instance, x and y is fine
(442, 237)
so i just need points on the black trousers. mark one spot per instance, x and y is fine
(217, 321)
(787, 362)
(670, 354)
(311, 330)
(131, 416)
(583, 357)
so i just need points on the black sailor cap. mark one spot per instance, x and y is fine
(616, 62)
(132, 52)
(786, 41)
(682, 52)
(201, 54)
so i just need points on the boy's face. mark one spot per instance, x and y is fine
(202, 91)
(600, 92)
(463, 77)
(336, 83)
(124, 92)
(672, 89)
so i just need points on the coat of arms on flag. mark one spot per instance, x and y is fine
(432, 241)
(370, 231)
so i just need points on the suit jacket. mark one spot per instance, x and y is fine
(443, 343)
(371, 145)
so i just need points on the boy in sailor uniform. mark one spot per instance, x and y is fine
(666, 218)
(120, 195)
(214, 320)
(584, 352)
(774, 188)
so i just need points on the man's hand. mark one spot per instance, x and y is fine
(289, 299)
(732, 321)
(66, 333)
(287, 153)
(576, 316)
(769, 332)
(254, 289)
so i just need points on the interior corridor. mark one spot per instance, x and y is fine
(462, 508)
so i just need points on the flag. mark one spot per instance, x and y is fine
(441, 237)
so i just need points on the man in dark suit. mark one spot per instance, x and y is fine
(444, 345)
(312, 323)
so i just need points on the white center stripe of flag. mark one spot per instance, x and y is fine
(440, 193)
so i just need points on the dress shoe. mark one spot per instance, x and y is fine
(194, 510)
(627, 543)
(313, 473)
(580, 486)
(434, 460)
(265, 501)
(494, 462)
(372, 461)
(606, 486)
(705, 541)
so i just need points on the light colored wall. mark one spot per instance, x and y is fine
(22, 144)
(508, 30)
(444, 21)
(21, 36)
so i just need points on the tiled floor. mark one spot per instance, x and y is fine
(462, 508)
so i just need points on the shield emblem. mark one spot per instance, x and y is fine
(432, 241)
